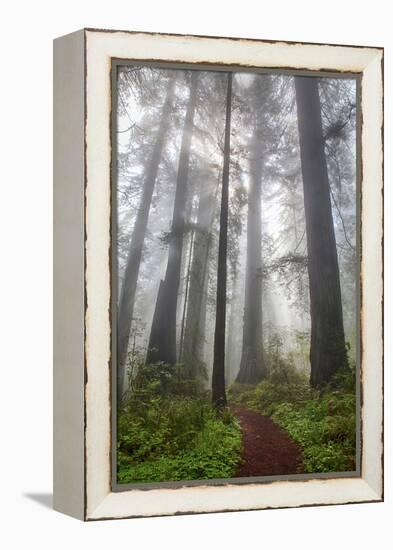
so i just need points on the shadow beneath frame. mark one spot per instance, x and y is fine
(44, 499)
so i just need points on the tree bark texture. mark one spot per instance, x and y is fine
(328, 350)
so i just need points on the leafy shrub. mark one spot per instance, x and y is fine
(168, 431)
(283, 385)
(162, 379)
(212, 454)
(325, 428)
(344, 380)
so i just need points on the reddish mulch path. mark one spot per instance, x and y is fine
(267, 449)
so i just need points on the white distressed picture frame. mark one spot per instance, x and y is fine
(82, 335)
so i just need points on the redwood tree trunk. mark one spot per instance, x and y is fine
(162, 343)
(251, 365)
(218, 375)
(128, 290)
(328, 350)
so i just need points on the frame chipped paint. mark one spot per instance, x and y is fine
(100, 502)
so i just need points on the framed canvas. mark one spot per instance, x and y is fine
(218, 267)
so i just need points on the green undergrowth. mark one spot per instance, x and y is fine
(323, 423)
(168, 431)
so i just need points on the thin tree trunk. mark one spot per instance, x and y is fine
(127, 296)
(218, 377)
(252, 367)
(186, 293)
(231, 365)
(200, 351)
(184, 277)
(162, 343)
(196, 306)
(328, 350)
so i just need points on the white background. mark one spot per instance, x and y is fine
(28, 28)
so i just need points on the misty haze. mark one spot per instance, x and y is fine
(235, 233)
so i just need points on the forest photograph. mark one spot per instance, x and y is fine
(235, 273)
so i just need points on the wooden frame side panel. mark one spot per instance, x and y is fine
(372, 273)
(68, 242)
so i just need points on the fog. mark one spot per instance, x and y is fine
(152, 110)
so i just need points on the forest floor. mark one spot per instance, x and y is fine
(267, 449)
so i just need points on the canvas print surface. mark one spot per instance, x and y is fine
(235, 274)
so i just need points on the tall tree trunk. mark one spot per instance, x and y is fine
(162, 343)
(218, 377)
(327, 351)
(232, 365)
(182, 295)
(252, 367)
(186, 294)
(200, 351)
(128, 290)
(196, 305)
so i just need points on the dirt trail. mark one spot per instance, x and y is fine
(267, 449)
